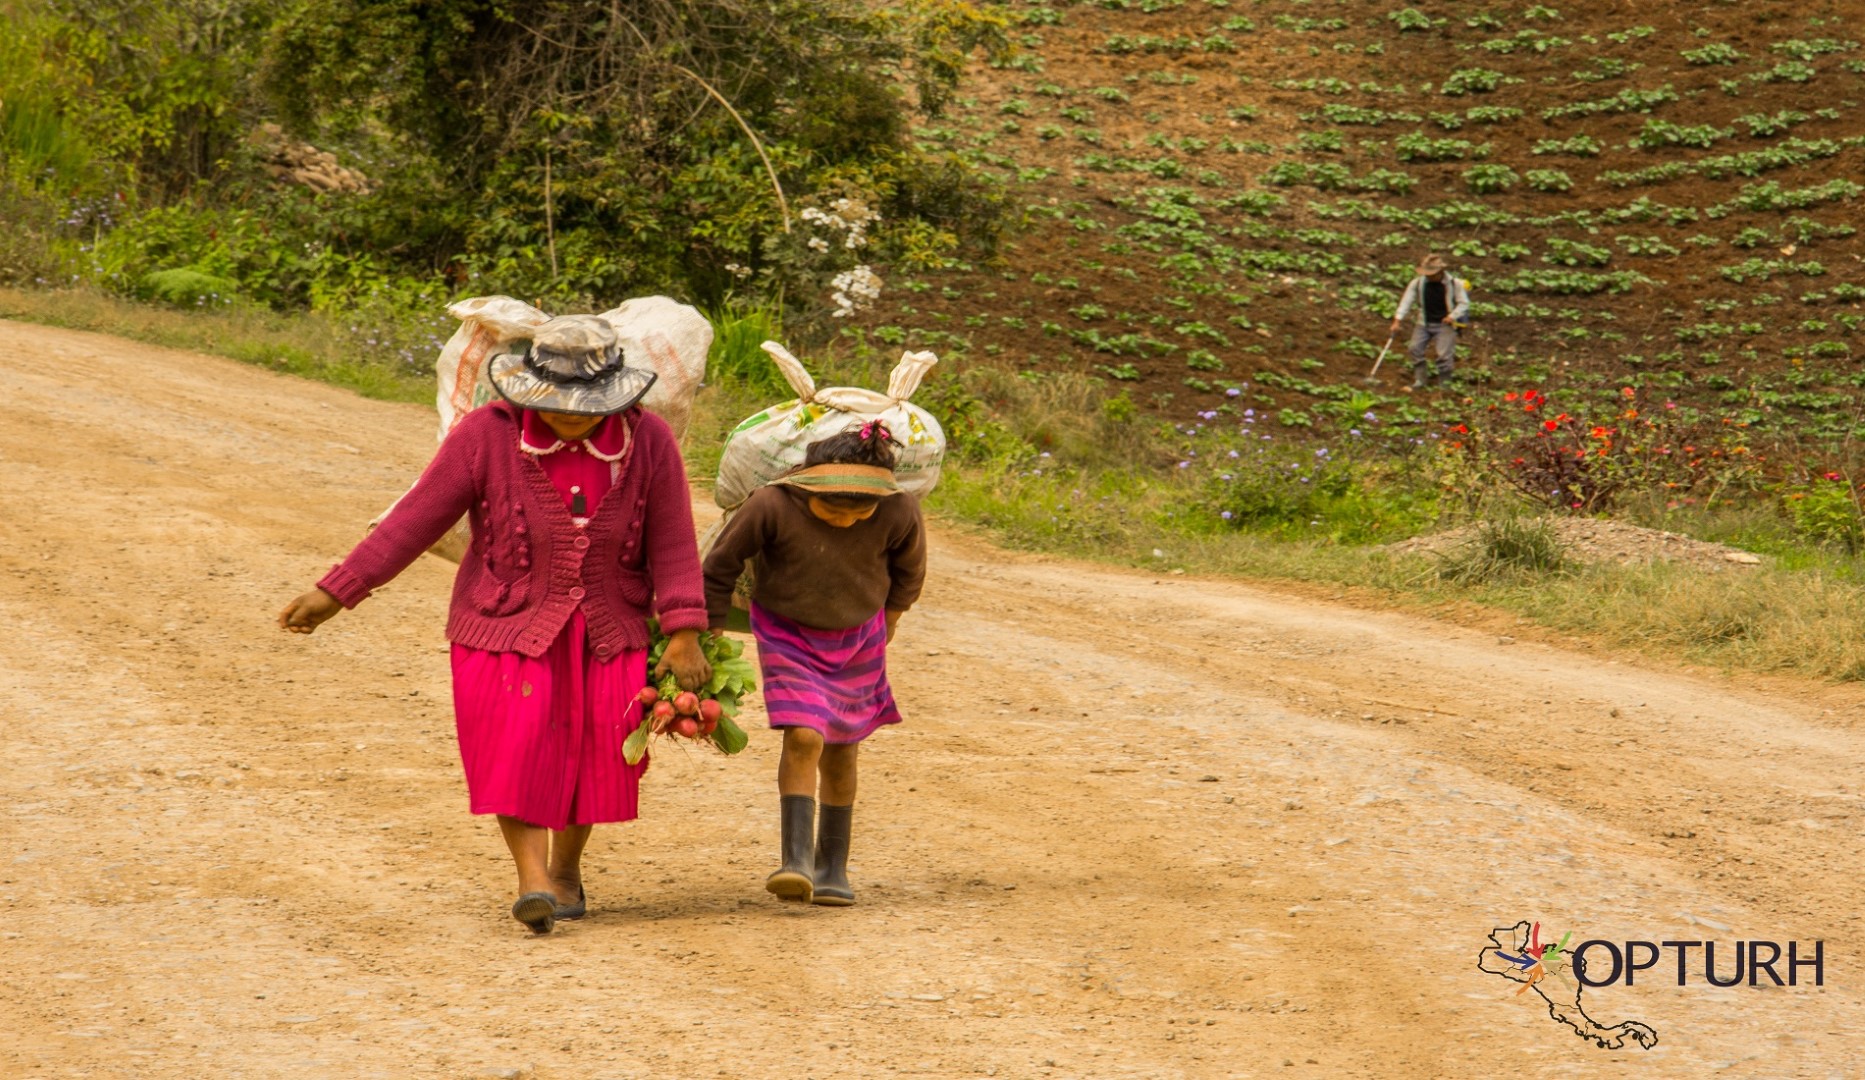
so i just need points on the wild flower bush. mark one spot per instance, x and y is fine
(1591, 465)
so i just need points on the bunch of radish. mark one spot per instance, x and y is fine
(686, 714)
(666, 709)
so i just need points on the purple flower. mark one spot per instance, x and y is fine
(1233, 453)
(1225, 515)
(1226, 476)
(1369, 416)
(1232, 392)
(1353, 431)
(1183, 464)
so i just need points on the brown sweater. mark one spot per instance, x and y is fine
(812, 572)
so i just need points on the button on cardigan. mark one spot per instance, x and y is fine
(529, 567)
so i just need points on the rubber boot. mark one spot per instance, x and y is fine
(832, 888)
(794, 880)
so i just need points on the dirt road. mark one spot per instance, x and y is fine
(1134, 826)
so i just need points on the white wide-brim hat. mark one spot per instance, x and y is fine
(572, 364)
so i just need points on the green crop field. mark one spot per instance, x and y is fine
(1222, 199)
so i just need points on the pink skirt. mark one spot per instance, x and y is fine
(833, 682)
(541, 739)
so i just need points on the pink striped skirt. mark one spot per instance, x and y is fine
(541, 739)
(833, 682)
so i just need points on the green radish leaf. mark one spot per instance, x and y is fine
(635, 747)
(729, 737)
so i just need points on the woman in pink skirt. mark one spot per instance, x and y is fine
(840, 555)
(582, 525)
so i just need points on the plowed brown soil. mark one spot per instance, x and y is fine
(1133, 827)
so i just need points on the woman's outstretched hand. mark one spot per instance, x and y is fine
(686, 660)
(309, 611)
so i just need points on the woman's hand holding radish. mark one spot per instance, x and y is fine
(308, 612)
(686, 660)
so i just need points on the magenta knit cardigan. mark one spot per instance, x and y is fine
(529, 566)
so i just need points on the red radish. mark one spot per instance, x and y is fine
(648, 695)
(710, 711)
(686, 703)
(686, 727)
(663, 715)
(707, 727)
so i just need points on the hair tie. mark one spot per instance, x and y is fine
(874, 427)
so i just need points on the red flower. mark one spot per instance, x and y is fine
(1549, 425)
(1628, 391)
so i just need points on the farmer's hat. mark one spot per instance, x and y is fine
(572, 364)
(869, 480)
(1431, 264)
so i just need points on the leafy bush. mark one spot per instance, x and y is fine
(1660, 133)
(1792, 71)
(1418, 146)
(1312, 494)
(1580, 145)
(1625, 101)
(1553, 180)
(1489, 179)
(1762, 125)
(1473, 81)
(188, 287)
(1829, 512)
(1717, 52)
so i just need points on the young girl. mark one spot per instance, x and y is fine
(840, 554)
(581, 524)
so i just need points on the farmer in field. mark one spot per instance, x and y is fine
(840, 553)
(1442, 303)
(581, 526)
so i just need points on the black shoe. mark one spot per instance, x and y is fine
(832, 889)
(536, 910)
(795, 879)
(573, 911)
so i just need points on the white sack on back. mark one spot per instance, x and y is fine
(773, 442)
(656, 332)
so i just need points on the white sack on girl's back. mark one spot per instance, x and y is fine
(656, 332)
(773, 442)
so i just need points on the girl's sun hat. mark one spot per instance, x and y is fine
(572, 364)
